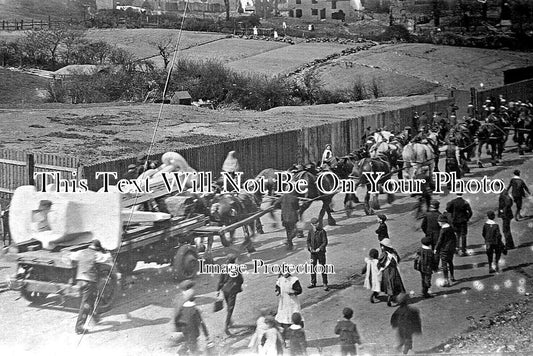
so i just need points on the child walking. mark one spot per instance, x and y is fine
(190, 321)
(407, 320)
(426, 265)
(372, 274)
(348, 335)
(260, 328)
(382, 230)
(271, 341)
(297, 341)
(493, 242)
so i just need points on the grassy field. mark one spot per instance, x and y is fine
(97, 132)
(233, 49)
(143, 42)
(285, 59)
(12, 10)
(341, 75)
(20, 89)
(459, 67)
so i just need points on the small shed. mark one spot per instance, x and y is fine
(181, 98)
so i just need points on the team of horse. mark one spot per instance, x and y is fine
(383, 152)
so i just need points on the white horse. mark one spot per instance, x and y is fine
(415, 156)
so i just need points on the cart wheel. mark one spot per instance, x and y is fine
(185, 263)
(32, 296)
(106, 291)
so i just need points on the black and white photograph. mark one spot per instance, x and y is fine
(266, 177)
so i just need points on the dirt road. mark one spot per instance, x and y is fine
(140, 323)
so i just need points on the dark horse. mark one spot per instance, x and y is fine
(308, 173)
(314, 193)
(343, 168)
(227, 209)
(371, 165)
(491, 135)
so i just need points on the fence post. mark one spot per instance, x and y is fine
(80, 172)
(49, 23)
(22, 24)
(3, 25)
(30, 166)
(473, 100)
(32, 24)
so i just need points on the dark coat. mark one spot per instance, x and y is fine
(317, 239)
(382, 231)
(407, 320)
(460, 210)
(190, 321)
(447, 241)
(505, 203)
(426, 263)
(430, 224)
(518, 188)
(298, 343)
(230, 285)
(290, 205)
(391, 281)
(347, 332)
(491, 233)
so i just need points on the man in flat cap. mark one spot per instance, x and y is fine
(519, 190)
(317, 241)
(461, 212)
(230, 285)
(445, 248)
(430, 225)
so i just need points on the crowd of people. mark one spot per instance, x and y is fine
(445, 238)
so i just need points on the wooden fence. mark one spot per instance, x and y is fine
(511, 92)
(21, 25)
(17, 168)
(254, 154)
(280, 150)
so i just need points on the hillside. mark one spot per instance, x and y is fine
(11, 10)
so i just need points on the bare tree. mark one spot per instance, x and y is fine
(71, 42)
(165, 50)
(226, 4)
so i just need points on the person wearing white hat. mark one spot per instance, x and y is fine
(391, 281)
(326, 155)
(231, 164)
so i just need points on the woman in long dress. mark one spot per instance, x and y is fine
(326, 155)
(391, 281)
(287, 288)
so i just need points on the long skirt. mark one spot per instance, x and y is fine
(391, 282)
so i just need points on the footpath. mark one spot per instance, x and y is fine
(477, 295)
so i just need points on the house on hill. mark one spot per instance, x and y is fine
(321, 9)
(172, 6)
